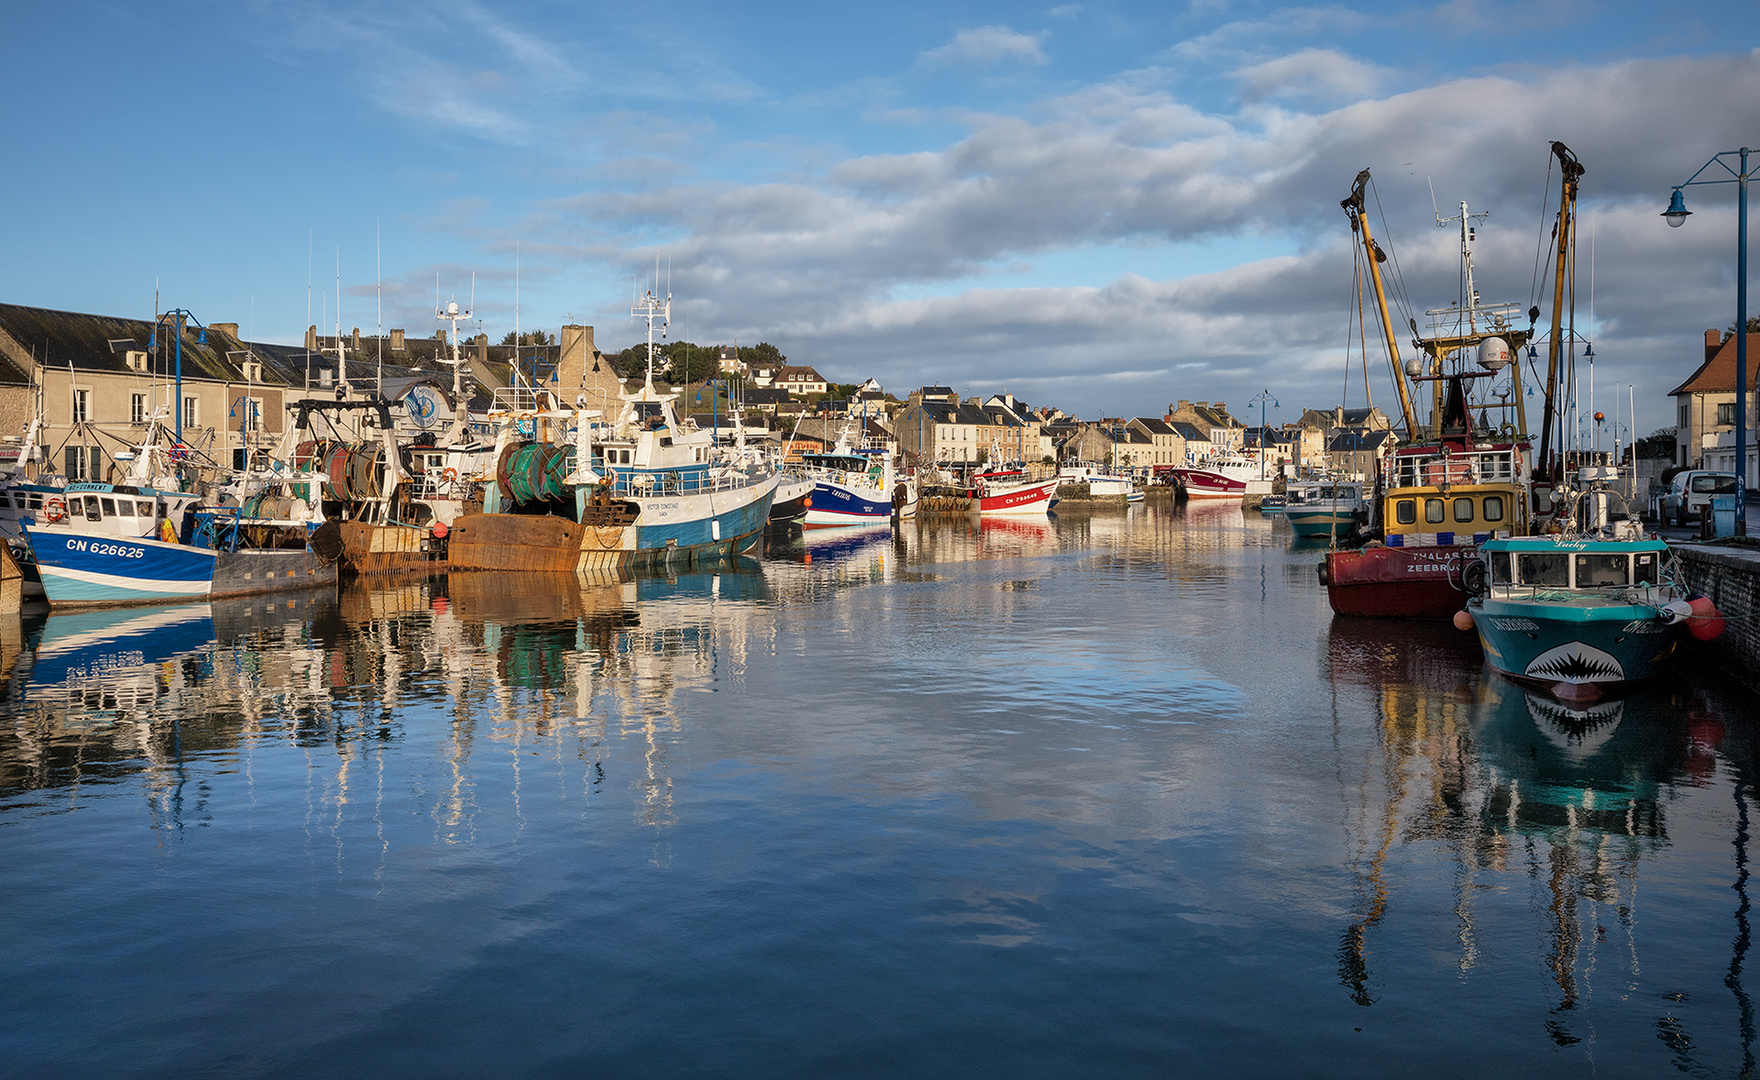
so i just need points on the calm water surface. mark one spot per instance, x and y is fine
(1110, 796)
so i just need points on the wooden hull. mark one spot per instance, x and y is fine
(1397, 582)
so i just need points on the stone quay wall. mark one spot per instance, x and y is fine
(1730, 576)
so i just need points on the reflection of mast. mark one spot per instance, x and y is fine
(1739, 951)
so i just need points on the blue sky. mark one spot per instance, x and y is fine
(1105, 206)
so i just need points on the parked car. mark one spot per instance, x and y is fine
(1691, 489)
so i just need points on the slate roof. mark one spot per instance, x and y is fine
(1350, 442)
(60, 338)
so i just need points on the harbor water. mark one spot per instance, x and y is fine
(1111, 795)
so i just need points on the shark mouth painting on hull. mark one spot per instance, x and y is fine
(1577, 672)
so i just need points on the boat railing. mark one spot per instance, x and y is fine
(1483, 467)
(514, 399)
(698, 481)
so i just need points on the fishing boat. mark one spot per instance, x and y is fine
(1008, 490)
(791, 501)
(1224, 474)
(1273, 504)
(648, 488)
(1102, 482)
(83, 562)
(1585, 612)
(1456, 482)
(854, 487)
(145, 541)
(1325, 508)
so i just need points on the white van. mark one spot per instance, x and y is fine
(1691, 489)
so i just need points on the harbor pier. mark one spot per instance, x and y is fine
(1729, 573)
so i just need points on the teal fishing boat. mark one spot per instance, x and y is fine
(1578, 617)
(1588, 611)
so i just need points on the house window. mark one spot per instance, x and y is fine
(137, 408)
(1726, 412)
(83, 465)
(189, 412)
(81, 402)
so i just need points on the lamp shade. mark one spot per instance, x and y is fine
(1677, 210)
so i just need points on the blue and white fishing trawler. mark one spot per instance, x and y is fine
(145, 541)
(1585, 612)
(855, 487)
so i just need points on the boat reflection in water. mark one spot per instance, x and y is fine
(517, 660)
(1543, 810)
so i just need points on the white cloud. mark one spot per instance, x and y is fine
(816, 262)
(987, 46)
(1311, 74)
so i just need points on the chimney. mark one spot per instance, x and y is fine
(1713, 342)
(230, 329)
(356, 343)
(311, 339)
(397, 339)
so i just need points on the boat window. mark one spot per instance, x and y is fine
(36, 500)
(1434, 512)
(109, 507)
(1646, 568)
(1595, 570)
(1546, 568)
(1463, 509)
(92, 511)
(143, 509)
(1405, 511)
(4, 503)
(1494, 508)
(1500, 574)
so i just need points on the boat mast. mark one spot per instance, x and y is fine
(1353, 209)
(653, 309)
(1567, 204)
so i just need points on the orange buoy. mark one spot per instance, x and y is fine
(439, 530)
(1463, 620)
(1706, 622)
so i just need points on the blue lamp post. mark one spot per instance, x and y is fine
(1676, 214)
(178, 318)
(1262, 397)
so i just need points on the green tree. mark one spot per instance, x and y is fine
(762, 353)
(1753, 328)
(535, 337)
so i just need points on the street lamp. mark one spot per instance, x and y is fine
(178, 318)
(1262, 397)
(1676, 215)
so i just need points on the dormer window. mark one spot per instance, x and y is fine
(253, 371)
(136, 361)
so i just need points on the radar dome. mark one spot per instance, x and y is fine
(1414, 367)
(1493, 353)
